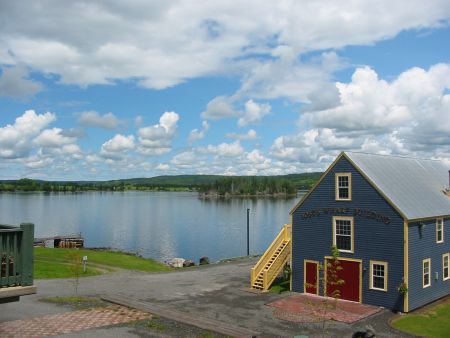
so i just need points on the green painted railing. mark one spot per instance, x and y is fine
(16, 255)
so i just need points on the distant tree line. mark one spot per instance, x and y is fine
(205, 184)
(250, 185)
(29, 185)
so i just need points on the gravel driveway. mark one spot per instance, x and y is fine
(214, 291)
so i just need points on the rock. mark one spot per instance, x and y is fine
(176, 262)
(187, 263)
(369, 333)
(204, 260)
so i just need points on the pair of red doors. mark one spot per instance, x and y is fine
(350, 273)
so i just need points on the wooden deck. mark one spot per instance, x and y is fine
(16, 261)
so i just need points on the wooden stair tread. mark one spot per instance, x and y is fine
(272, 261)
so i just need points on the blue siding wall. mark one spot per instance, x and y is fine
(374, 240)
(422, 245)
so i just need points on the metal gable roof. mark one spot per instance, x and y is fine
(414, 186)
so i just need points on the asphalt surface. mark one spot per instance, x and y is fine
(214, 291)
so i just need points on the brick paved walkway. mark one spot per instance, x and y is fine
(52, 325)
(310, 308)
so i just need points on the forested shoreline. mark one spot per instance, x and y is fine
(249, 186)
(206, 185)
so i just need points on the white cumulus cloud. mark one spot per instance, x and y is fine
(166, 43)
(414, 107)
(162, 167)
(250, 135)
(219, 108)
(16, 139)
(409, 115)
(116, 147)
(224, 149)
(15, 82)
(196, 134)
(222, 107)
(94, 119)
(53, 138)
(254, 112)
(156, 139)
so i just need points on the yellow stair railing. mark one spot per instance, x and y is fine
(272, 262)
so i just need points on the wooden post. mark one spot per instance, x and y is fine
(265, 287)
(26, 251)
(248, 232)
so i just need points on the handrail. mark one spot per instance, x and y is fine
(283, 235)
(276, 242)
(16, 255)
(10, 230)
(6, 227)
(288, 231)
(277, 266)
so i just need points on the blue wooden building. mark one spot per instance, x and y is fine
(390, 219)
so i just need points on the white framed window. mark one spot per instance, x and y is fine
(439, 230)
(343, 233)
(343, 187)
(445, 266)
(426, 272)
(378, 275)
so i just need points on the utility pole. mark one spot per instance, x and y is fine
(248, 232)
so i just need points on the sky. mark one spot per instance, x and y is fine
(99, 90)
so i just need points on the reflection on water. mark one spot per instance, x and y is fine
(161, 225)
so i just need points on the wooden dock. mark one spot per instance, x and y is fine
(68, 241)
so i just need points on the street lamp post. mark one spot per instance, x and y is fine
(248, 232)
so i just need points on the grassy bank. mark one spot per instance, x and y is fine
(432, 323)
(67, 263)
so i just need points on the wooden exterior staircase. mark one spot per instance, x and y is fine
(272, 262)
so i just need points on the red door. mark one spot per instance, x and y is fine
(311, 278)
(350, 273)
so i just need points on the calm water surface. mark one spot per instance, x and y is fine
(161, 225)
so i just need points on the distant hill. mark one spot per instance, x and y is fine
(176, 180)
(300, 180)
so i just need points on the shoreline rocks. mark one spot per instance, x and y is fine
(175, 262)
(203, 260)
(187, 263)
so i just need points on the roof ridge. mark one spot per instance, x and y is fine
(397, 156)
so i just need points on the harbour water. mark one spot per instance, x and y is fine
(160, 225)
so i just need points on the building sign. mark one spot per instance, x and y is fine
(348, 211)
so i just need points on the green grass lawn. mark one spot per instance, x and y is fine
(434, 323)
(48, 269)
(66, 263)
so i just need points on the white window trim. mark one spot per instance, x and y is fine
(385, 264)
(448, 266)
(429, 272)
(441, 221)
(336, 186)
(352, 226)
